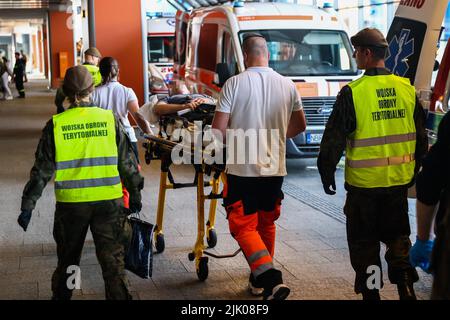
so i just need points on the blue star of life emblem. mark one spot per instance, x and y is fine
(400, 49)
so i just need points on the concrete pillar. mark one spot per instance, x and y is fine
(40, 51)
(118, 29)
(91, 23)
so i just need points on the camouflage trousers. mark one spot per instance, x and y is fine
(107, 222)
(379, 216)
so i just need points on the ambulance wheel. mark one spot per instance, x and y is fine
(212, 238)
(202, 271)
(159, 243)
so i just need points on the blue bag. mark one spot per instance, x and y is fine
(139, 256)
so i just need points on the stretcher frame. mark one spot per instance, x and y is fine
(159, 148)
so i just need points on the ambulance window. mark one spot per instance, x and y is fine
(306, 52)
(228, 56)
(207, 47)
(160, 49)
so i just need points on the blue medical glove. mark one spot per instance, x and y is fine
(420, 254)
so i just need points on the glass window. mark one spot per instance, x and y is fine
(309, 52)
(207, 47)
(161, 49)
(228, 56)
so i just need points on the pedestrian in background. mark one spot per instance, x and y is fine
(380, 124)
(25, 61)
(18, 77)
(5, 73)
(90, 154)
(91, 59)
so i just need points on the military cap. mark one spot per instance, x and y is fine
(93, 51)
(369, 37)
(78, 81)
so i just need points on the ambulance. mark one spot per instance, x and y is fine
(307, 44)
(161, 46)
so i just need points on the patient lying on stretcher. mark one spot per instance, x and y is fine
(176, 109)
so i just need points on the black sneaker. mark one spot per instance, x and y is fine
(254, 288)
(279, 292)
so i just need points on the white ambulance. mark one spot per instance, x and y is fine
(307, 44)
(161, 46)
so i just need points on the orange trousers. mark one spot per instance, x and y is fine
(255, 234)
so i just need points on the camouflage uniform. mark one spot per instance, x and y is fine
(376, 214)
(433, 187)
(106, 219)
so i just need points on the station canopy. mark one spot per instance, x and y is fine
(193, 4)
(31, 4)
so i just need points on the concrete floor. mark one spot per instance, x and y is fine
(311, 247)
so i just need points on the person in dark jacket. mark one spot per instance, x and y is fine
(433, 204)
(380, 124)
(19, 73)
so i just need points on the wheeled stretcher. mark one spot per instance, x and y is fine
(159, 147)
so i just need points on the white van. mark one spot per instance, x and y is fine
(161, 45)
(307, 44)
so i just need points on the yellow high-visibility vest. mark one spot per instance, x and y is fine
(86, 155)
(380, 153)
(95, 72)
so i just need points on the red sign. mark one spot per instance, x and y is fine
(412, 3)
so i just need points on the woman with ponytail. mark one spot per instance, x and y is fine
(112, 95)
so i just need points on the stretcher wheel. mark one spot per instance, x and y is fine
(148, 158)
(211, 238)
(159, 243)
(191, 256)
(202, 271)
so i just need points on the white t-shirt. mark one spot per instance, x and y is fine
(115, 96)
(259, 98)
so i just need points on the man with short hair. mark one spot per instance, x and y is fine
(263, 101)
(379, 122)
(92, 58)
(90, 154)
